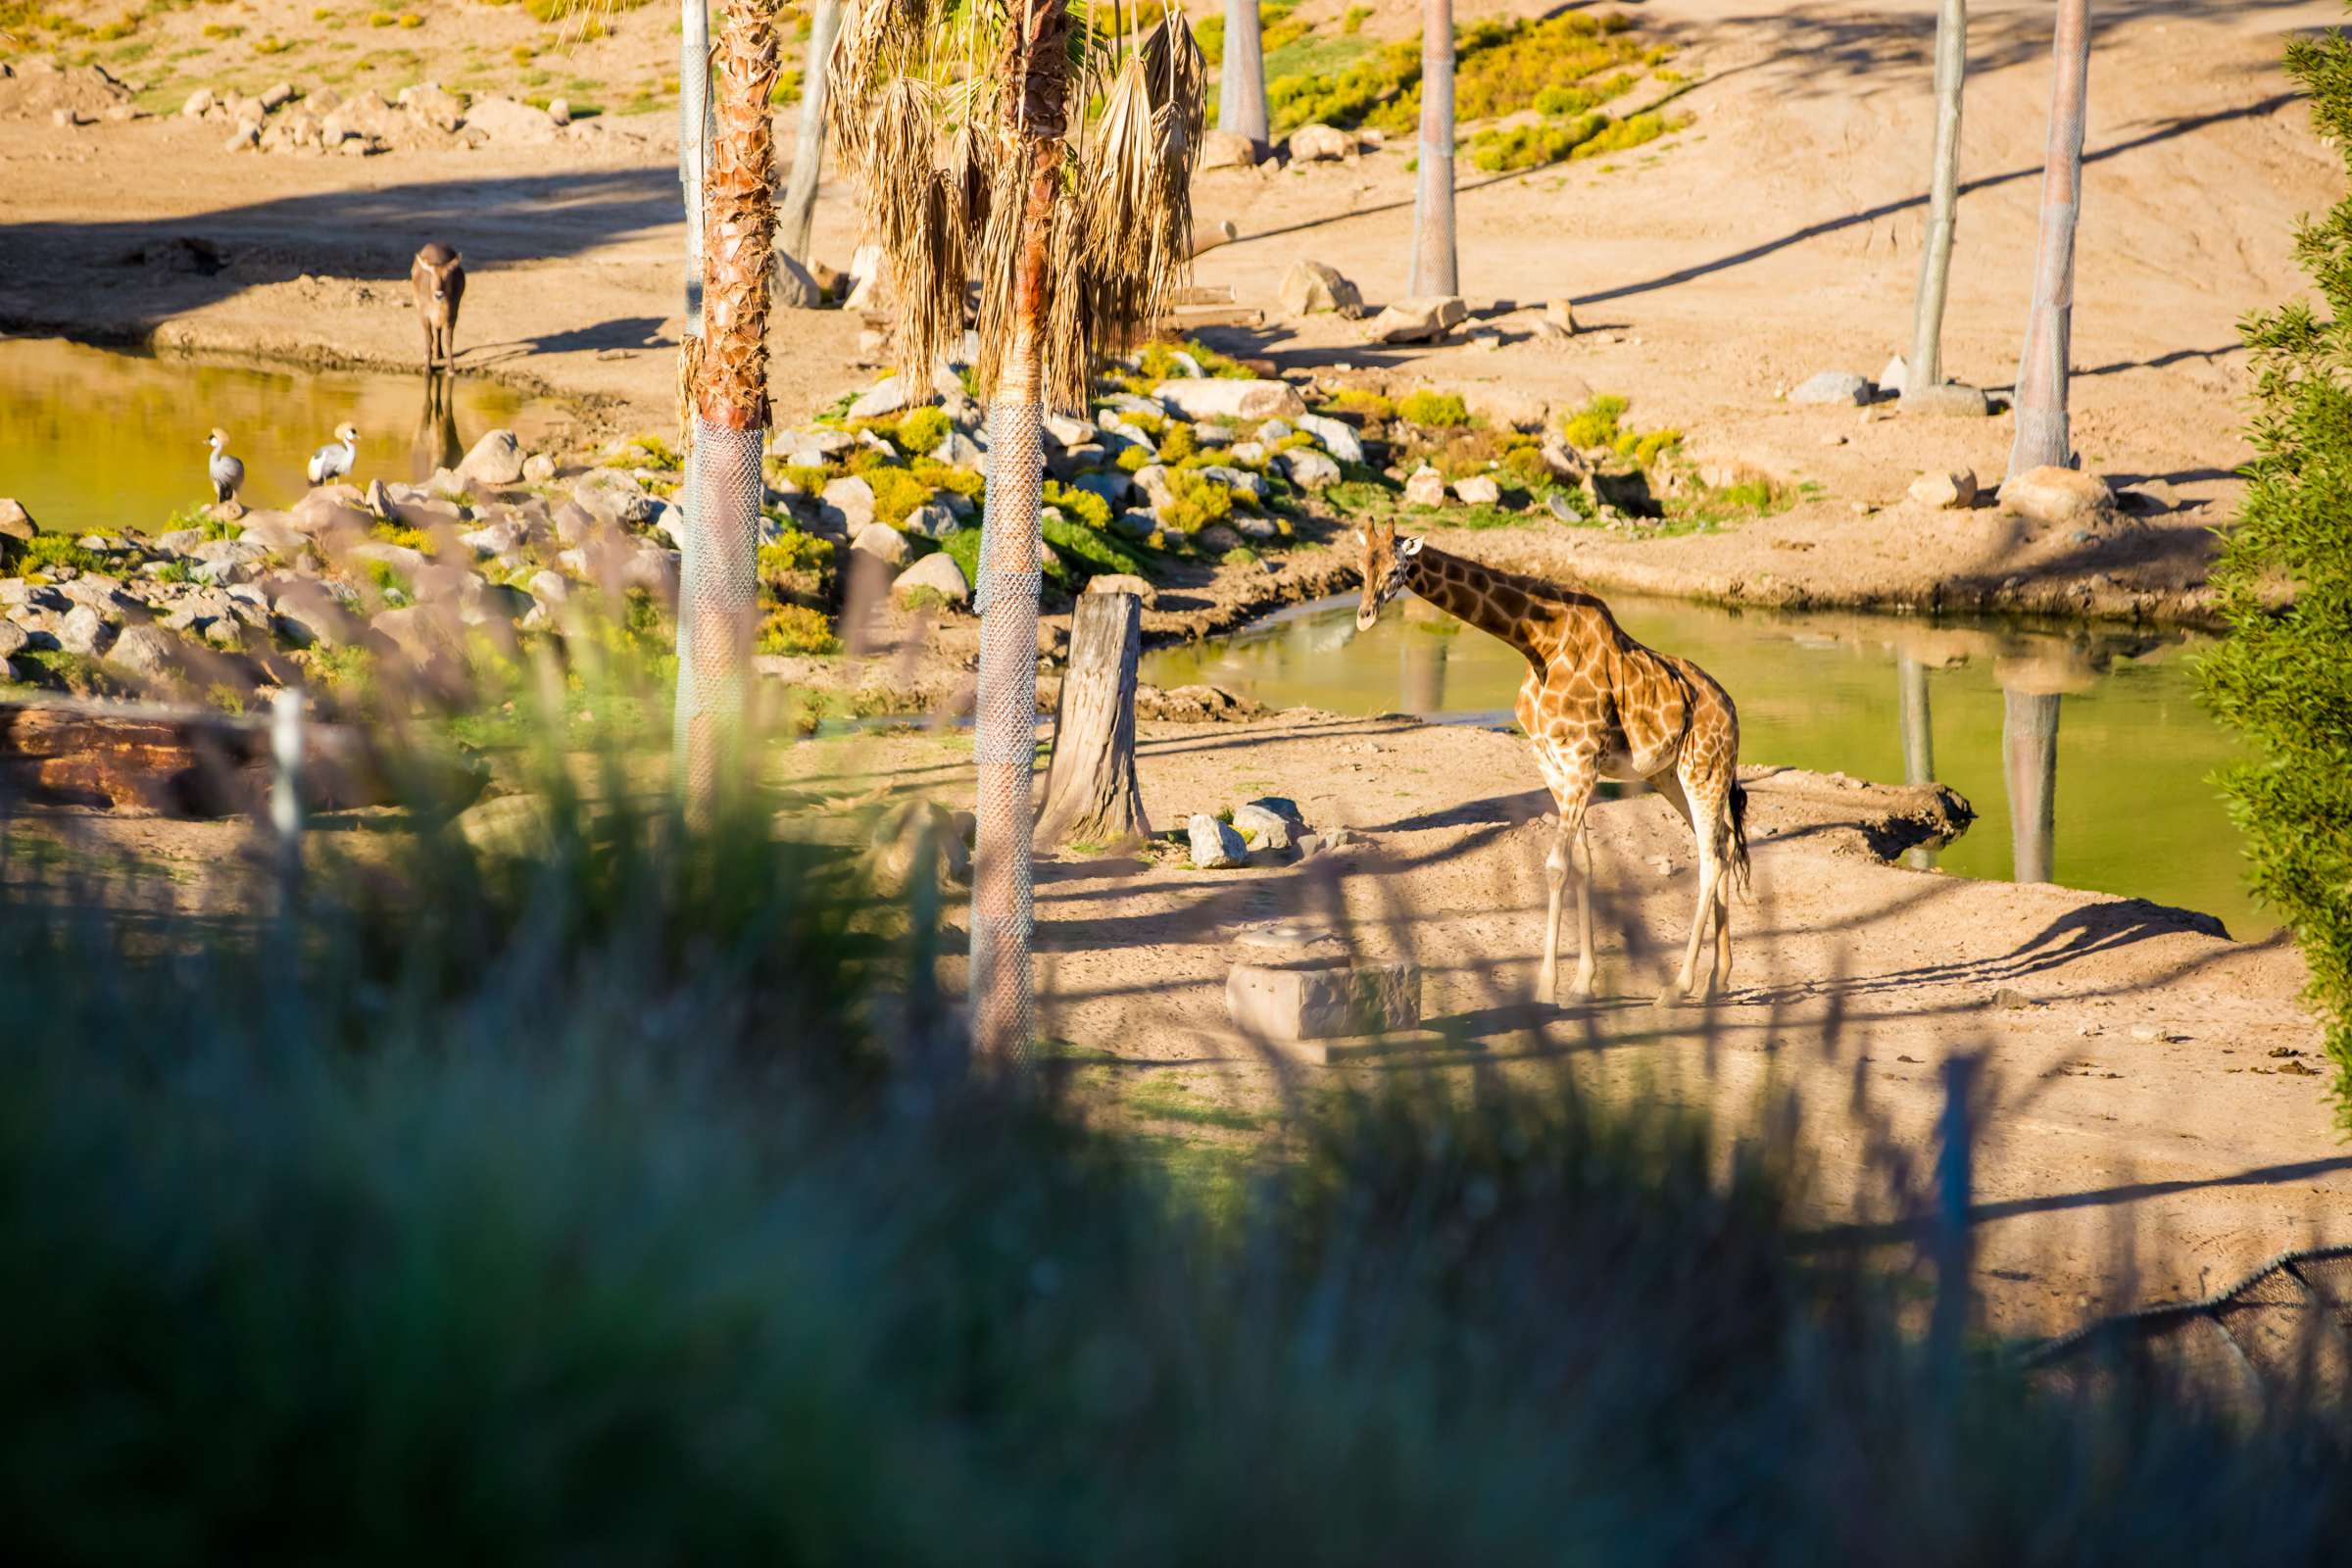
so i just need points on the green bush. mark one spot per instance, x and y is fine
(797, 629)
(794, 549)
(46, 552)
(922, 430)
(1198, 503)
(2283, 678)
(1081, 506)
(1436, 409)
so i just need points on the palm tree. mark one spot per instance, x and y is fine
(1434, 269)
(958, 126)
(799, 208)
(2044, 439)
(1241, 85)
(1925, 368)
(725, 377)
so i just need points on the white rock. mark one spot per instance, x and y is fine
(1832, 388)
(854, 499)
(1264, 829)
(1308, 469)
(1339, 438)
(1215, 846)
(149, 653)
(1321, 144)
(1417, 320)
(2058, 497)
(1310, 289)
(1220, 149)
(495, 459)
(884, 398)
(1478, 491)
(937, 572)
(933, 520)
(85, 632)
(1211, 396)
(1895, 376)
(538, 468)
(882, 542)
(1124, 582)
(1425, 488)
(1951, 490)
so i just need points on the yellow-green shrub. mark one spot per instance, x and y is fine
(1438, 410)
(797, 629)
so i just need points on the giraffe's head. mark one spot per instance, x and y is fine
(1386, 559)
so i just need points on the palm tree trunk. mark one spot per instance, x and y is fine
(808, 147)
(2030, 754)
(728, 391)
(694, 120)
(1944, 200)
(1003, 1003)
(1434, 269)
(1241, 86)
(2044, 439)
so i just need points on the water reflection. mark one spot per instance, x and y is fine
(1972, 704)
(96, 439)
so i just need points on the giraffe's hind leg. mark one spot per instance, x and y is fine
(1571, 778)
(1709, 833)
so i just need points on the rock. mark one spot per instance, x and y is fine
(1124, 582)
(1948, 490)
(1241, 479)
(959, 451)
(882, 542)
(852, 499)
(1308, 469)
(274, 532)
(1319, 999)
(1215, 846)
(13, 638)
(1274, 433)
(865, 278)
(276, 97)
(428, 105)
(1111, 487)
(17, 528)
(1417, 320)
(85, 632)
(538, 468)
(1950, 401)
(198, 104)
(1220, 149)
(1250, 453)
(1065, 431)
(1896, 374)
(1425, 488)
(1339, 438)
(613, 498)
(932, 520)
(1263, 828)
(150, 652)
(1321, 144)
(884, 398)
(496, 460)
(243, 139)
(1211, 396)
(810, 446)
(510, 124)
(1310, 289)
(2058, 498)
(559, 111)
(936, 572)
(1832, 388)
(1560, 317)
(670, 521)
(794, 286)
(1476, 491)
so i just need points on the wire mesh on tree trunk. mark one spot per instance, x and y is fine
(717, 603)
(1005, 734)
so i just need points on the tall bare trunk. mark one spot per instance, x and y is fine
(1091, 794)
(1434, 269)
(729, 390)
(2043, 438)
(1004, 719)
(693, 119)
(808, 145)
(1944, 199)
(1241, 85)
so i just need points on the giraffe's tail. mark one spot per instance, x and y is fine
(1737, 808)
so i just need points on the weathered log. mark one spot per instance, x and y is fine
(1091, 790)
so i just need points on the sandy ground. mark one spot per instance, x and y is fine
(1775, 237)
(2148, 1128)
(1778, 235)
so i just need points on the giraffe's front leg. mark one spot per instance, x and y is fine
(1571, 778)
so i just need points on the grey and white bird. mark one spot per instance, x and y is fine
(228, 474)
(334, 460)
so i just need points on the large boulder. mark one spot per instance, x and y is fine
(933, 519)
(883, 399)
(509, 123)
(1951, 400)
(1339, 437)
(428, 105)
(1833, 390)
(85, 632)
(1476, 491)
(935, 573)
(1308, 469)
(613, 498)
(150, 652)
(1310, 289)
(1425, 487)
(2059, 497)
(1222, 149)
(1417, 320)
(882, 542)
(1320, 144)
(849, 501)
(1213, 396)
(495, 459)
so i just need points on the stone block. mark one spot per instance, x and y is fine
(1323, 1000)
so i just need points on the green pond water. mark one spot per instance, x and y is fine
(2131, 809)
(93, 440)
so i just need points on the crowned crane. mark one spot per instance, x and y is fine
(437, 276)
(334, 460)
(228, 474)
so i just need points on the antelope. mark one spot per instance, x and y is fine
(438, 276)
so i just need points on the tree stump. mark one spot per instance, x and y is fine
(1091, 790)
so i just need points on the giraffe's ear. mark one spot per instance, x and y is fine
(1410, 547)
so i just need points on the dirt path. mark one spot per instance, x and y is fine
(2146, 1091)
(1775, 237)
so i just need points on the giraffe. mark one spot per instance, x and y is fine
(1595, 705)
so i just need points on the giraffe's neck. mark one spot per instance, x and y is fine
(1493, 602)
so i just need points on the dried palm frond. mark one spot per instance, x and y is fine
(1053, 159)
